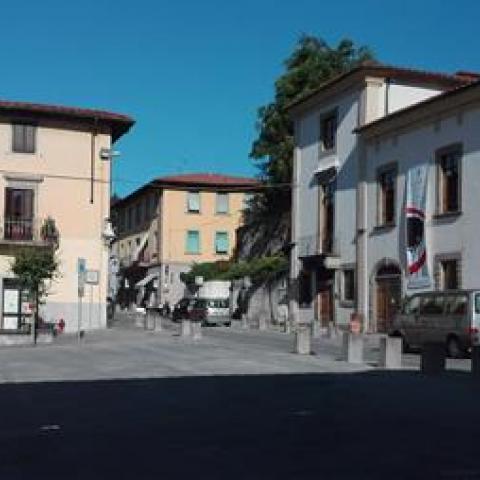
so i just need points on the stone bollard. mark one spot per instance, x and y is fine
(315, 328)
(262, 323)
(186, 330)
(244, 321)
(150, 319)
(287, 327)
(433, 358)
(197, 330)
(303, 339)
(352, 348)
(390, 355)
(158, 320)
(331, 330)
(139, 320)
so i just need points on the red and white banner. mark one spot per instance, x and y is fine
(415, 205)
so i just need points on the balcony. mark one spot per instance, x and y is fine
(33, 231)
(311, 247)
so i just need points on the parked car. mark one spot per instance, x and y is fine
(182, 309)
(211, 311)
(451, 317)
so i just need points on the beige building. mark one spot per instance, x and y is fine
(171, 223)
(55, 175)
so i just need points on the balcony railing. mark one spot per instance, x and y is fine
(313, 245)
(28, 230)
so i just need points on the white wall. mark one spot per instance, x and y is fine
(457, 234)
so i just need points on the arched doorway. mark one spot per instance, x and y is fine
(388, 294)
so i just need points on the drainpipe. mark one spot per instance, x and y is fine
(388, 81)
(293, 315)
(92, 158)
(361, 214)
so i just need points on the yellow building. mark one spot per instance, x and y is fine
(173, 222)
(55, 173)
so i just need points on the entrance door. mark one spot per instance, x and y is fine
(325, 306)
(16, 313)
(388, 296)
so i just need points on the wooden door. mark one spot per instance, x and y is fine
(325, 306)
(388, 300)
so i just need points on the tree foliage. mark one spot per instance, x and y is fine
(33, 268)
(258, 269)
(312, 63)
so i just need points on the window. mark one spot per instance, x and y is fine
(193, 202)
(221, 203)
(247, 199)
(449, 274)
(348, 285)
(386, 196)
(221, 242)
(193, 241)
(477, 303)
(327, 216)
(328, 131)
(412, 306)
(432, 305)
(24, 137)
(18, 214)
(448, 179)
(456, 304)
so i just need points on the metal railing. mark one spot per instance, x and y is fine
(312, 245)
(28, 230)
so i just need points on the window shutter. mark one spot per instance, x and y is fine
(193, 202)
(222, 202)
(221, 242)
(29, 138)
(193, 241)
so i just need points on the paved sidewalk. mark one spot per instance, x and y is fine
(121, 353)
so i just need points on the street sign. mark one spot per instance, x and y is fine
(81, 270)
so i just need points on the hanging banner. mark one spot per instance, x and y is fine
(415, 206)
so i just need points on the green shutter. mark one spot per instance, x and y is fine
(193, 241)
(221, 242)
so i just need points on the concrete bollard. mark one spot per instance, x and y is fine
(262, 323)
(139, 320)
(149, 319)
(158, 321)
(287, 327)
(186, 329)
(332, 330)
(303, 339)
(352, 347)
(315, 328)
(197, 330)
(433, 358)
(244, 321)
(390, 354)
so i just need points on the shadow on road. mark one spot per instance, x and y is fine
(350, 426)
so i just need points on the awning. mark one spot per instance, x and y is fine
(145, 281)
(327, 170)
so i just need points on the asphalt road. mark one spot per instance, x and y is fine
(385, 425)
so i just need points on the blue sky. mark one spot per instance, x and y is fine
(193, 73)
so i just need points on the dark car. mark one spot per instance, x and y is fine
(182, 309)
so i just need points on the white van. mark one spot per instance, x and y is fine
(451, 317)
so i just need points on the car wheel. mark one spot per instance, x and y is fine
(454, 349)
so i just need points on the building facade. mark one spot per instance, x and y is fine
(192, 218)
(432, 245)
(326, 178)
(55, 176)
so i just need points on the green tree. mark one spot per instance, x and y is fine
(33, 268)
(312, 63)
